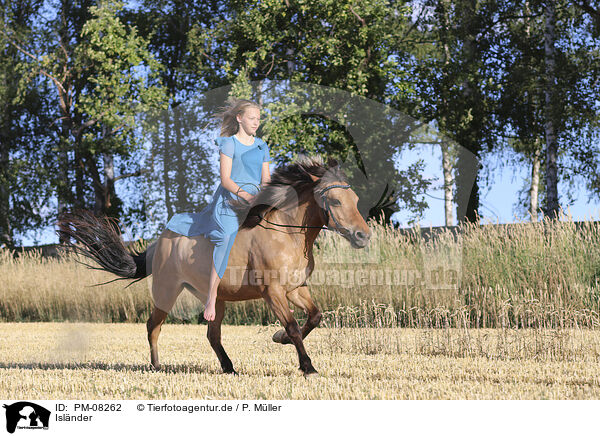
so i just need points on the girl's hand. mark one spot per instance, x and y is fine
(246, 196)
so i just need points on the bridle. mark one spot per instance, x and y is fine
(325, 209)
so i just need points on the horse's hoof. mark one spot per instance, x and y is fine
(156, 367)
(311, 375)
(279, 337)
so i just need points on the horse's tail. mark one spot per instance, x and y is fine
(100, 240)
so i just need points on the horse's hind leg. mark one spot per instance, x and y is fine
(214, 337)
(275, 298)
(164, 297)
(153, 325)
(301, 298)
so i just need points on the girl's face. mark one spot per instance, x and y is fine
(249, 120)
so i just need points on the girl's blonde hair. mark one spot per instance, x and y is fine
(229, 112)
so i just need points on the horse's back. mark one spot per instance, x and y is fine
(180, 251)
(188, 261)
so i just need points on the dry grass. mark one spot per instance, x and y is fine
(542, 275)
(110, 361)
(47, 289)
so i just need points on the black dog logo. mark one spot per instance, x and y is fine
(33, 416)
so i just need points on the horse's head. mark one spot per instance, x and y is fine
(339, 204)
(309, 179)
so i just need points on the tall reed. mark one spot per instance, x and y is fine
(523, 275)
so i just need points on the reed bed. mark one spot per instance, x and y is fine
(527, 275)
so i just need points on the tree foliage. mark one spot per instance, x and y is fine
(351, 80)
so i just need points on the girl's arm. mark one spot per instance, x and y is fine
(226, 181)
(265, 174)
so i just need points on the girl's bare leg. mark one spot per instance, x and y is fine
(209, 310)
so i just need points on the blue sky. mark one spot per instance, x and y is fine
(497, 200)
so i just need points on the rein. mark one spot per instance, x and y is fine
(326, 210)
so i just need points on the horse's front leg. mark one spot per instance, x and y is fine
(214, 337)
(276, 299)
(301, 298)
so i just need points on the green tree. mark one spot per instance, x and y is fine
(182, 174)
(521, 103)
(24, 176)
(455, 62)
(111, 56)
(103, 76)
(548, 100)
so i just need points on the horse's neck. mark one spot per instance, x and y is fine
(307, 214)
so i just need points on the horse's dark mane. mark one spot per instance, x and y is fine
(290, 184)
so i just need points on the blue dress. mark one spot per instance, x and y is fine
(217, 221)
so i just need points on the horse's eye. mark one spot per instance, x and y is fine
(335, 202)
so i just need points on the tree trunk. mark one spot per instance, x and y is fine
(552, 206)
(5, 227)
(79, 181)
(167, 163)
(63, 191)
(97, 184)
(62, 183)
(259, 92)
(291, 65)
(181, 202)
(98, 192)
(467, 188)
(535, 183)
(109, 185)
(448, 183)
(447, 165)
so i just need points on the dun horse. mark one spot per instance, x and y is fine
(276, 234)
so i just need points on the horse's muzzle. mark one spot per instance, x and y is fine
(360, 239)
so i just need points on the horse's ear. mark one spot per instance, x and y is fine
(332, 162)
(312, 176)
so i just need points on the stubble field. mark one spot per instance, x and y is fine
(111, 361)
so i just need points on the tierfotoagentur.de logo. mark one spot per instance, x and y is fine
(26, 415)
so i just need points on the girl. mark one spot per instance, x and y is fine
(239, 177)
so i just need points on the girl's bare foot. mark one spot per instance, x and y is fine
(209, 311)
